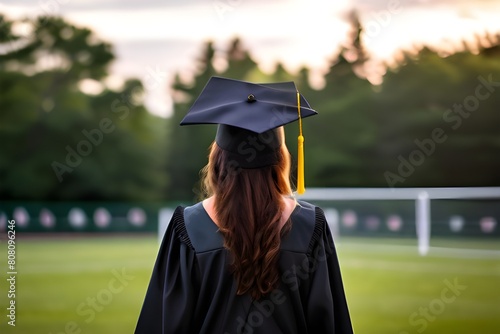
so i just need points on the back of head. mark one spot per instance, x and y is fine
(248, 207)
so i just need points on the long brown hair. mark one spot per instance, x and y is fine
(248, 207)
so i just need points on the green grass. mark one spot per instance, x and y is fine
(387, 285)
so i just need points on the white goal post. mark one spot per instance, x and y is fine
(421, 196)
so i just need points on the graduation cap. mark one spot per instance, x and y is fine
(248, 115)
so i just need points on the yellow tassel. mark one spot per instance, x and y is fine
(300, 156)
(300, 167)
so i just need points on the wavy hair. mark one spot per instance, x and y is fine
(248, 207)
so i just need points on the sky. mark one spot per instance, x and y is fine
(154, 39)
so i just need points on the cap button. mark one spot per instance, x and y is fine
(251, 98)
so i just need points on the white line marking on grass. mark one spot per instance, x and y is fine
(413, 267)
(84, 267)
(465, 253)
(433, 251)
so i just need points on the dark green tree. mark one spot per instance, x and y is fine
(188, 152)
(431, 93)
(62, 142)
(239, 61)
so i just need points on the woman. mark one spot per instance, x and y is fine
(249, 258)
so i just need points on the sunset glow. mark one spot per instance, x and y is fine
(296, 33)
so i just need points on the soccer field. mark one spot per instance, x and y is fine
(97, 285)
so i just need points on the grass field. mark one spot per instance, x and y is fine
(97, 285)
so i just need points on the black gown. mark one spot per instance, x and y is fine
(192, 291)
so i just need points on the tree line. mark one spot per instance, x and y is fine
(433, 121)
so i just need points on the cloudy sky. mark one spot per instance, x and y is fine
(155, 39)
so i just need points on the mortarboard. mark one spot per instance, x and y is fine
(248, 115)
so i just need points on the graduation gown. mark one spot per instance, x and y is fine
(192, 291)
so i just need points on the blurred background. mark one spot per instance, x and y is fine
(92, 92)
